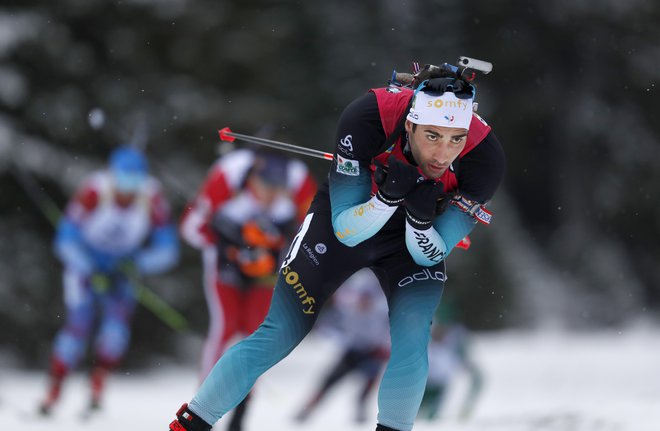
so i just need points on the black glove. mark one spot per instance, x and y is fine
(422, 203)
(443, 202)
(395, 182)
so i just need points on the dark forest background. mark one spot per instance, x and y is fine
(572, 97)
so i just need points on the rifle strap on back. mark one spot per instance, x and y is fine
(397, 132)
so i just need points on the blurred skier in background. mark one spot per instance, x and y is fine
(116, 227)
(244, 215)
(358, 315)
(449, 355)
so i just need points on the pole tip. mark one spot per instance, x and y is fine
(225, 134)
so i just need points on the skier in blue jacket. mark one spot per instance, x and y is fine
(116, 226)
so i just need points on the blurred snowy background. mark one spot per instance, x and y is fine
(533, 382)
(572, 254)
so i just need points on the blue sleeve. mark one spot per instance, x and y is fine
(453, 225)
(67, 231)
(356, 216)
(69, 247)
(162, 252)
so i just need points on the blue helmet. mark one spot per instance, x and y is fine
(129, 167)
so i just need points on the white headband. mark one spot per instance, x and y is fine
(445, 110)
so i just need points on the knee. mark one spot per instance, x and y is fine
(77, 328)
(113, 340)
(410, 329)
(276, 338)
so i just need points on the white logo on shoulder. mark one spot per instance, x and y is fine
(348, 166)
(320, 248)
(347, 142)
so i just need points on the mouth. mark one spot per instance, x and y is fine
(433, 167)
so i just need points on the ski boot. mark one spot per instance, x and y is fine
(306, 411)
(303, 415)
(188, 421)
(97, 380)
(57, 374)
(361, 415)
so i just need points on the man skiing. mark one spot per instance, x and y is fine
(244, 215)
(412, 172)
(117, 226)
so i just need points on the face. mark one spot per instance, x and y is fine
(128, 183)
(434, 147)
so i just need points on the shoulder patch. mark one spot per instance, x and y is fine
(348, 166)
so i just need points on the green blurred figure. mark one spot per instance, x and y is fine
(448, 356)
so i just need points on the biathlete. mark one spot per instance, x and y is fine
(414, 167)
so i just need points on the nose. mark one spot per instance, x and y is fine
(442, 155)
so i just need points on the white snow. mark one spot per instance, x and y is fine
(607, 380)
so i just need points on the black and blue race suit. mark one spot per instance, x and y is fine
(346, 229)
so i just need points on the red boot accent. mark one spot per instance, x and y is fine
(176, 426)
(57, 373)
(97, 379)
(97, 382)
(186, 420)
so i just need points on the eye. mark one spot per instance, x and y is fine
(458, 139)
(431, 137)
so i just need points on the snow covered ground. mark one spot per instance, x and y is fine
(607, 381)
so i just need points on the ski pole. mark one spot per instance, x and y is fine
(228, 136)
(145, 296)
(36, 194)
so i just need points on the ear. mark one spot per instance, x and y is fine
(408, 126)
